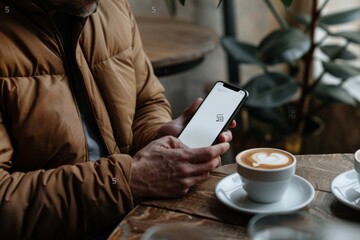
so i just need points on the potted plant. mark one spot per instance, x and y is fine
(283, 103)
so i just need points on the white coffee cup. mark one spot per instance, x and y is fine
(357, 163)
(266, 173)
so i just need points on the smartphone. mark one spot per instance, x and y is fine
(213, 115)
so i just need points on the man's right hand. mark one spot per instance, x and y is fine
(167, 168)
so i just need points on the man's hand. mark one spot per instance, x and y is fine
(166, 168)
(174, 127)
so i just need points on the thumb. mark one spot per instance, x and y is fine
(189, 112)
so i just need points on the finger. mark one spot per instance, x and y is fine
(225, 136)
(189, 112)
(232, 124)
(195, 105)
(194, 169)
(199, 155)
(183, 186)
(196, 179)
(169, 142)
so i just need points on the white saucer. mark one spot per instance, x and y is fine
(231, 193)
(346, 189)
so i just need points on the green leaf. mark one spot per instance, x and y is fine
(324, 27)
(286, 3)
(341, 71)
(334, 93)
(341, 17)
(182, 2)
(270, 90)
(337, 52)
(241, 52)
(353, 37)
(284, 45)
(304, 19)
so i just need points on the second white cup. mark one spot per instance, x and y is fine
(357, 163)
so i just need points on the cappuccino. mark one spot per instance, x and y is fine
(265, 158)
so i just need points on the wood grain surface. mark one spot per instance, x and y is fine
(169, 42)
(201, 207)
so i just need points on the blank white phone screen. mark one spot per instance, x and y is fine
(211, 117)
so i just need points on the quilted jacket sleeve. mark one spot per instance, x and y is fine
(152, 109)
(68, 202)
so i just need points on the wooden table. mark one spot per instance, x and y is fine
(201, 207)
(174, 46)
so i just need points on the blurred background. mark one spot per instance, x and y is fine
(301, 65)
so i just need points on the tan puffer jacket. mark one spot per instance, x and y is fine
(48, 188)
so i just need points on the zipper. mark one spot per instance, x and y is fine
(86, 92)
(67, 70)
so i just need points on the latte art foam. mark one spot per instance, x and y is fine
(267, 159)
(274, 159)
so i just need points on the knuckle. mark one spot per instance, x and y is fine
(212, 154)
(172, 141)
(188, 172)
(208, 153)
(185, 184)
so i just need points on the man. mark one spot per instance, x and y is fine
(85, 129)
